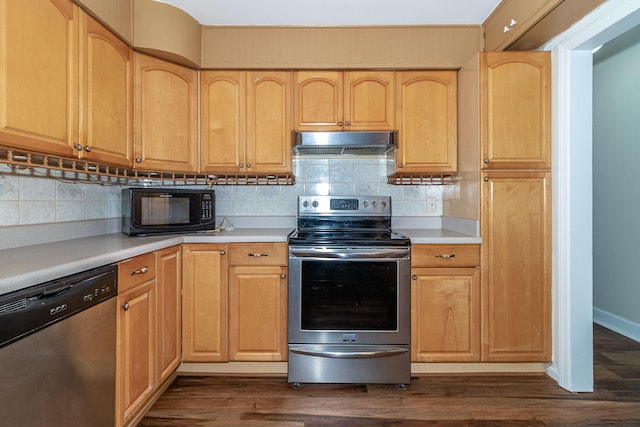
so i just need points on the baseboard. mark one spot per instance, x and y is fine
(617, 324)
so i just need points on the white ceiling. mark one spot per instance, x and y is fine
(337, 12)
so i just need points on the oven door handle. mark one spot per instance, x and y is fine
(350, 354)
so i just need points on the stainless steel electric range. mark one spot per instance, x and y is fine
(349, 293)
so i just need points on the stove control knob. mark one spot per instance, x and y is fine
(374, 204)
(314, 204)
(365, 204)
(305, 204)
(383, 204)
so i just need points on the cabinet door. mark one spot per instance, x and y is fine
(136, 349)
(516, 294)
(169, 312)
(257, 313)
(515, 110)
(319, 100)
(105, 95)
(369, 100)
(39, 75)
(426, 107)
(222, 121)
(165, 115)
(445, 315)
(204, 303)
(268, 147)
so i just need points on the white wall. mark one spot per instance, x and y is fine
(616, 183)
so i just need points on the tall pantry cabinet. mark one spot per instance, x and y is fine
(516, 205)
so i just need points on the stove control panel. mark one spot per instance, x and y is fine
(344, 205)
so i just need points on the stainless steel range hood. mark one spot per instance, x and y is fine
(365, 143)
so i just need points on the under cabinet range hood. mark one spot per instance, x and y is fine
(354, 143)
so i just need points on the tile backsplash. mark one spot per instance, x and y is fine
(36, 196)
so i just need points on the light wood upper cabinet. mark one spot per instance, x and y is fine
(426, 111)
(445, 303)
(205, 303)
(350, 100)
(245, 121)
(105, 96)
(39, 75)
(516, 110)
(516, 266)
(165, 115)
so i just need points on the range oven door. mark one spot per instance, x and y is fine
(349, 315)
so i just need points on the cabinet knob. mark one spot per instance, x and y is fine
(486, 160)
(78, 147)
(347, 123)
(143, 270)
(125, 306)
(241, 165)
(87, 149)
(486, 179)
(414, 277)
(248, 165)
(339, 123)
(399, 165)
(138, 160)
(283, 276)
(222, 252)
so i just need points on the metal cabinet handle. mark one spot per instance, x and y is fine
(125, 306)
(141, 271)
(78, 147)
(257, 255)
(445, 256)
(87, 149)
(283, 276)
(222, 252)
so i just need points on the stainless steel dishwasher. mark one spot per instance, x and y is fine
(58, 352)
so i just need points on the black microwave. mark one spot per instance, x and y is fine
(167, 210)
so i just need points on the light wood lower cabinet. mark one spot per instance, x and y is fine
(169, 312)
(135, 358)
(516, 257)
(445, 303)
(205, 303)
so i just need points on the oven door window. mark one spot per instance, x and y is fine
(349, 295)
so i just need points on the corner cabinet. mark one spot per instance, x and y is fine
(258, 302)
(426, 112)
(349, 100)
(245, 123)
(445, 303)
(165, 115)
(205, 302)
(516, 110)
(516, 206)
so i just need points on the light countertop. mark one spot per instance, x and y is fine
(26, 266)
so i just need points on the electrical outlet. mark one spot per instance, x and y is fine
(431, 204)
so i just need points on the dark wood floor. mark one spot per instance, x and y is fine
(527, 400)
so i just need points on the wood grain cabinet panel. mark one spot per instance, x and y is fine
(169, 312)
(205, 303)
(165, 115)
(426, 114)
(516, 110)
(349, 100)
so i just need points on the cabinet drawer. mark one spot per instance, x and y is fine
(445, 255)
(135, 271)
(249, 254)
